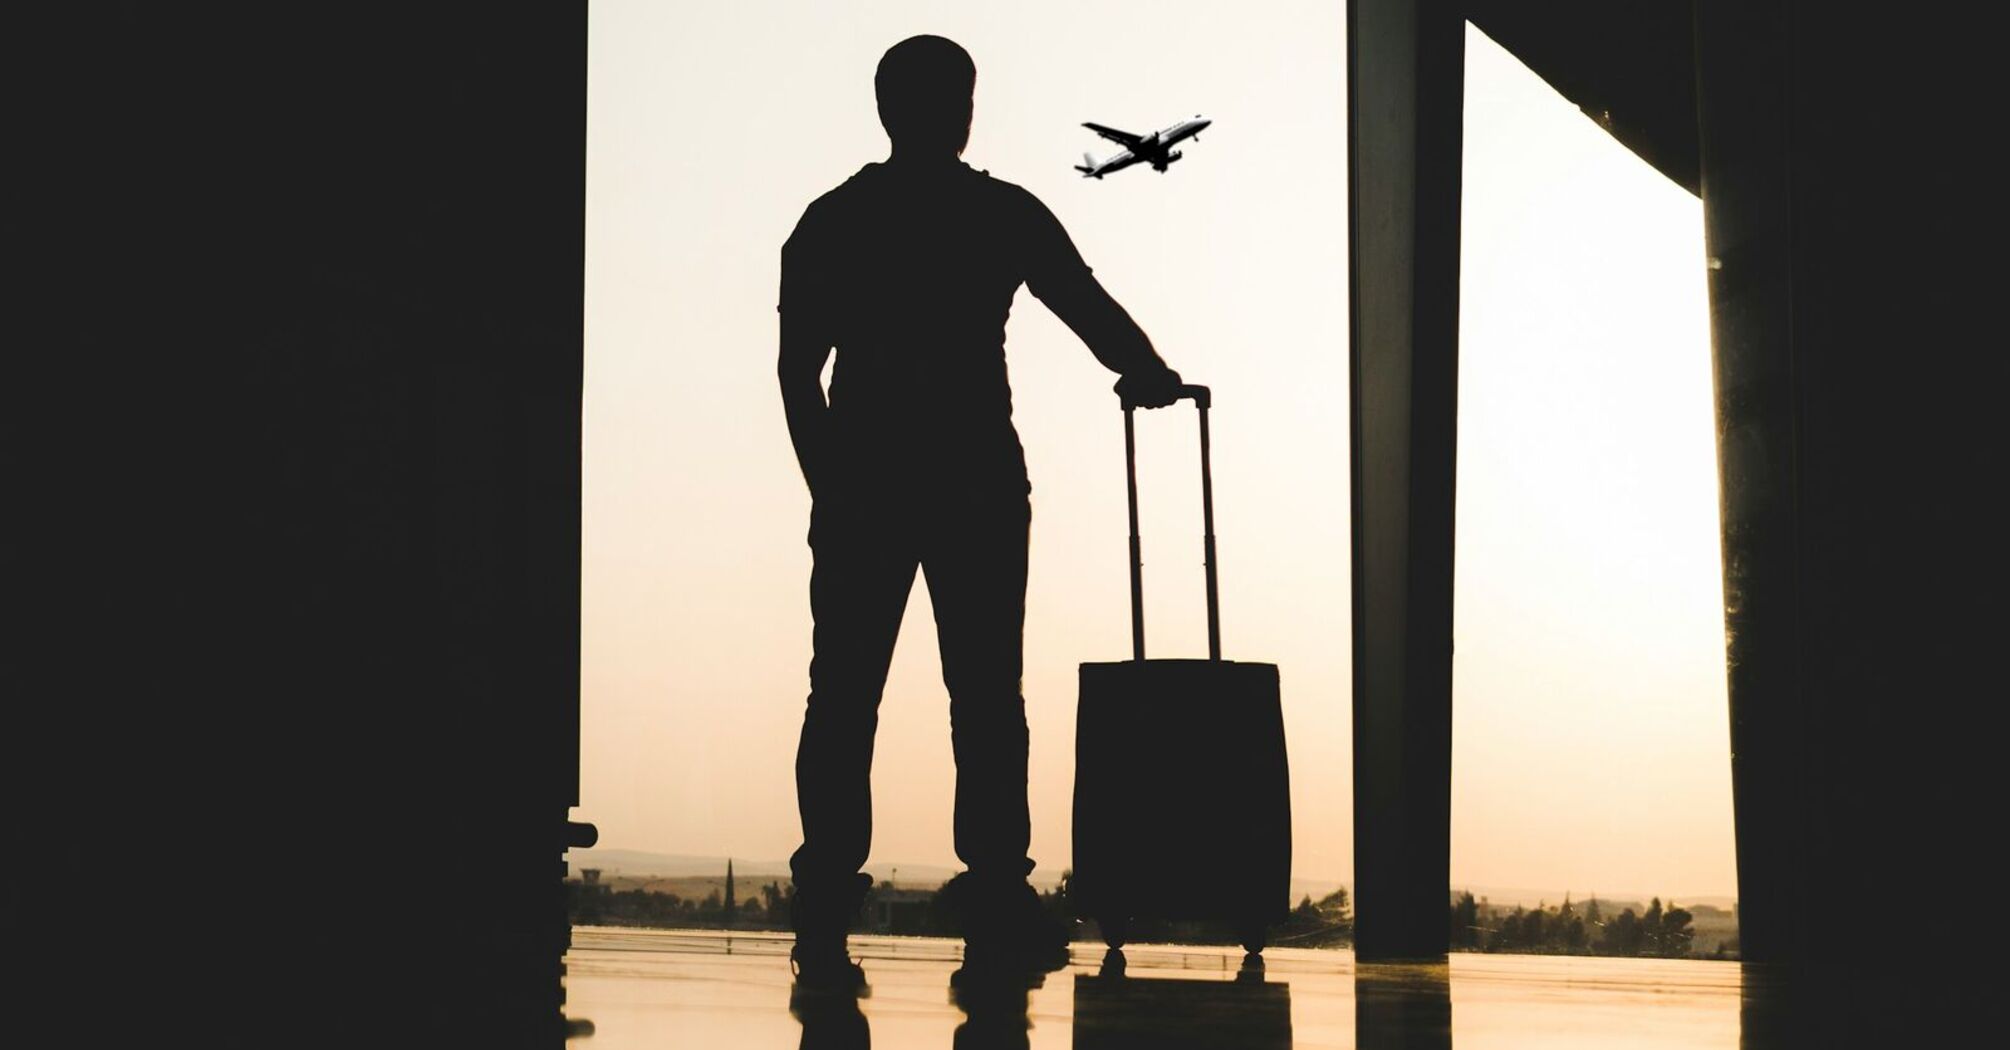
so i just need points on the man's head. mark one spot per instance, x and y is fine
(925, 84)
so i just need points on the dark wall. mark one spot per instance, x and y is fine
(313, 285)
(1859, 388)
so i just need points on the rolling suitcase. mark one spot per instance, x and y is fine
(1182, 796)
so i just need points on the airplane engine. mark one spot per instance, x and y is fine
(1166, 163)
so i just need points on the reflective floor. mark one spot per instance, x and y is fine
(656, 988)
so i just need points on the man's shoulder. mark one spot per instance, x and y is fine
(855, 185)
(872, 190)
(873, 183)
(832, 205)
(1005, 193)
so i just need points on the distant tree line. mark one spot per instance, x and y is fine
(594, 903)
(1324, 923)
(1327, 921)
(1477, 926)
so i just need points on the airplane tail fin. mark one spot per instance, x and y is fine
(1087, 166)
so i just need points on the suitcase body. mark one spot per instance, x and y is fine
(1182, 790)
(1182, 799)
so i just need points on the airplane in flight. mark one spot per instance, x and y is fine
(1154, 149)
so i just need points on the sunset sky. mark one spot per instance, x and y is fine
(1590, 719)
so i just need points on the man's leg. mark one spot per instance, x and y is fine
(975, 561)
(858, 591)
(974, 558)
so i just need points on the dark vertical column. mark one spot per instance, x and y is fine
(1405, 97)
(1742, 117)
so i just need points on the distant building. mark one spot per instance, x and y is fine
(898, 911)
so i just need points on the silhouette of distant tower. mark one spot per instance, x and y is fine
(731, 908)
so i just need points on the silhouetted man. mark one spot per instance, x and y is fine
(908, 269)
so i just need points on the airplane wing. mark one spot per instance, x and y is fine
(1123, 138)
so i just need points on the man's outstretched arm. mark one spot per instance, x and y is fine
(1058, 277)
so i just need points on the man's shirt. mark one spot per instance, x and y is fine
(910, 273)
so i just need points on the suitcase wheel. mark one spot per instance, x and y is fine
(1115, 929)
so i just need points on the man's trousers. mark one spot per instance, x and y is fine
(970, 545)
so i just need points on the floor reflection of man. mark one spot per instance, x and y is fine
(996, 1008)
(831, 1022)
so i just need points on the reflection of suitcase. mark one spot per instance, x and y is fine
(1182, 799)
(1178, 1013)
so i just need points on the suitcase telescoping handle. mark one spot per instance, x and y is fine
(1201, 400)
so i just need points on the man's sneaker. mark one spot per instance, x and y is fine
(1005, 927)
(825, 968)
(822, 914)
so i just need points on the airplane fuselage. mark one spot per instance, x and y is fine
(1155, 149)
